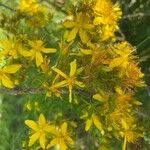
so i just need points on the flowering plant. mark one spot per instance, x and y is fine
(84, 79)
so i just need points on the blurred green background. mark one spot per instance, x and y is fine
(135, 27)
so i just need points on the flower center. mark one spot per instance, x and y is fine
(71, 80)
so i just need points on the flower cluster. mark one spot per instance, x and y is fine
(42, 131)
(98, 71)
(36, 15)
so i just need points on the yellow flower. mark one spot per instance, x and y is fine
(38, 13)
(70, 80)
(79, 26)
(123, 100)
(98, 54)
(131, 137)
(10, 47)
(94, 119)
(54, 89)
(61, 138)
(133, 76)
(64, 47)
(45, 66)
(38, 20)
(37, 48)
(29, 6)
(5, 74)
(106, 13)
(107, 32)
(129, 134)
(123, 54)
(101, 96)
(39, 130)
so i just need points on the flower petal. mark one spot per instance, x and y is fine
(86, 51)
(73, 68)
(53, 142)
(39, 59)
(98, 97)
(49, 50)
(69, 140)
(88, 26)
(80, 84)
(42, 140)
(63, 145)
(72, 34)
(60, 72)
(97, 123)
(64, 128)
(31, 124)
(60, 84)
(34, 138)
(50, 129)
(98, 20)
(115, 62)
(7, 82)
(11, 68)
(69, 24)
(88, 124)
(42, 120)
(25, 53)
(83, 35)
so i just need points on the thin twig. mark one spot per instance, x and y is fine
(19, 91)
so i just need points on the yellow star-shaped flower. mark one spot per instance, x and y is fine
(61, 138)
(106, 13)
(94, 119)
(37, 48)
(98, 55)
(10, 47)
(39, 130)
(123, 54)
(80, 25)
(70, 80)
(29, 6)
(5, 74)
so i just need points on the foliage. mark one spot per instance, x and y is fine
(75, 75)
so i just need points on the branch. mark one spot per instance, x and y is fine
(6, 7)
(17, 91)
(130, 16)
